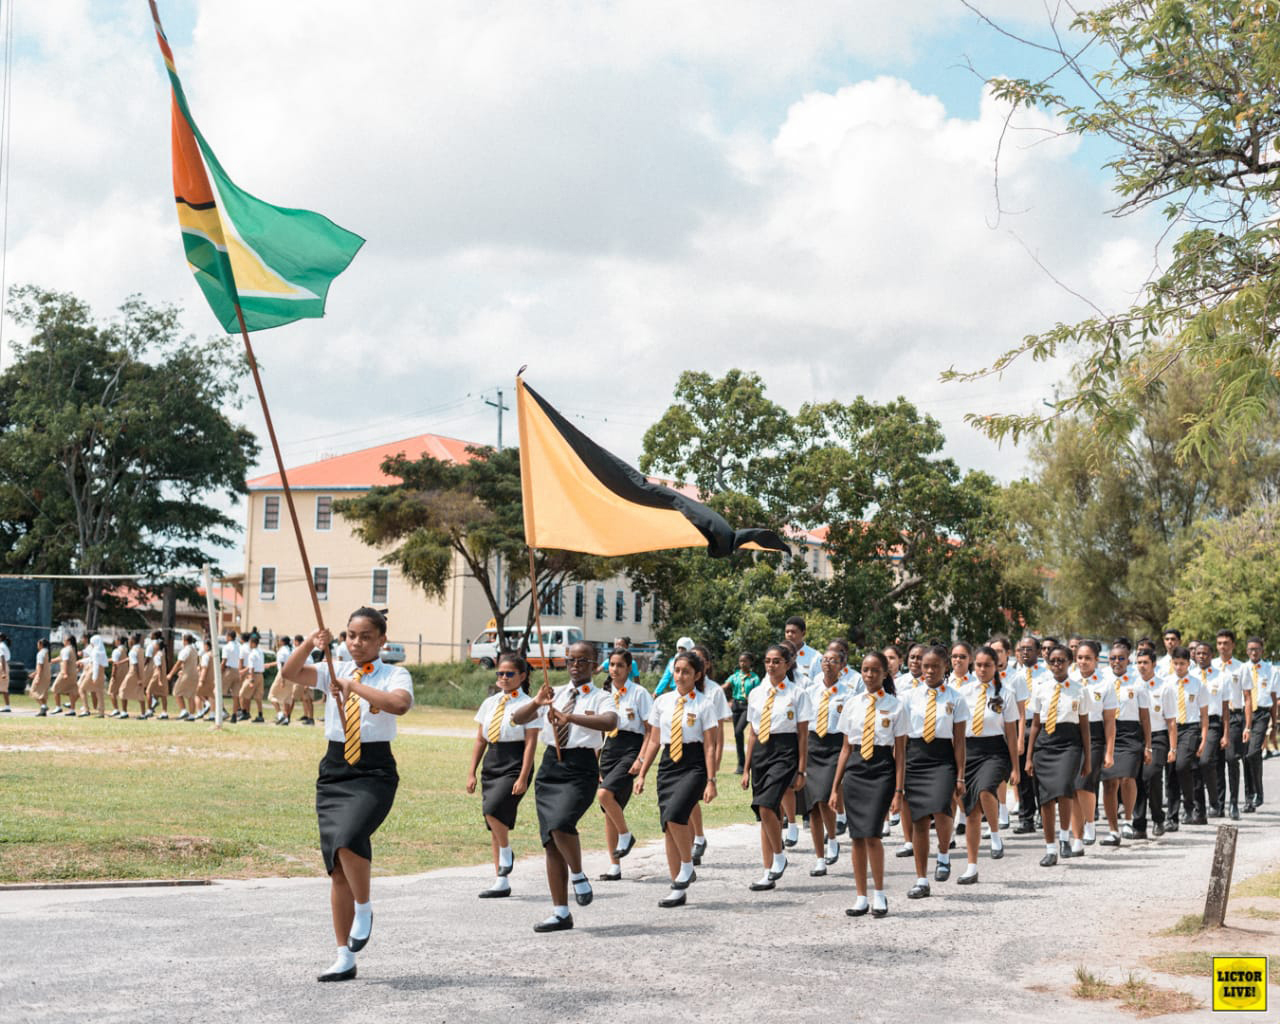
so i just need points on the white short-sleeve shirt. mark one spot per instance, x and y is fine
(509, 732)
(67, 654)
(719, 702)
(1101, 696)
(374, 728)
(4, 653)
(632, 702)
(1073, 699)
(697, 716)
(1216, 685)
(1195, 698)
(1158, 694)
(135, 654)
(186, 652)
(253, 659)
(950, 708)
(1262, 678)
(591, 701)
(891, 718)
(1000, 708)
(791, 705)
(42, 656)
(837, 697)
(1131, 696)
(231, 656)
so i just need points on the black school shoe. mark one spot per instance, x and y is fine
(942, 872)
(559, 924)
(1064, 849)
(919, 891)
(621, 851)
(1048, 860)
(346, 975)
(1024, 828)
(672, 901)
(1109, 841)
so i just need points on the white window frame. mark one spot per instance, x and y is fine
(266, 504)
(275, 583)
(386, 587)
(319, 498)
(321, 595)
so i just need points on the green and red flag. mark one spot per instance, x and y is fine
(272, 263)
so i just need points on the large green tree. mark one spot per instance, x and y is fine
(1185, 97)
(440, 511)
(112, 436)
(1111, 525)
(911, 541)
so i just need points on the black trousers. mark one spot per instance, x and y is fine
(1190, 783)
(1151, 783)
(740, 729)
(1026, 792)
(1234, 754)
(1253, 754)
(1212, 766)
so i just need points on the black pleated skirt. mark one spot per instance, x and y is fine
(930, 778)
(773, 770)
(1128, 756)
(681, 784)
(352, 800)
(616, 759)
(1057, 761)
(986, 766)
(820, 768)
(498, 774)
(565, 789)
(868, 791)
(1097, 752)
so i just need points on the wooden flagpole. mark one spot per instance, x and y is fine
(537, 624)
(288, 492)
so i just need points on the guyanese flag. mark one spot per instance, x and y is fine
(275, 263)
(579, 497)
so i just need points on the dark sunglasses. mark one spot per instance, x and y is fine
(505, 675)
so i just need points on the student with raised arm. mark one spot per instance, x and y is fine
(357, 780)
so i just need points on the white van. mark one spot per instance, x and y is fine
(556, 640)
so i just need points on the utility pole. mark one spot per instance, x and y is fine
(501, 409)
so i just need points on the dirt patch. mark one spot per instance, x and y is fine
(1135, 994)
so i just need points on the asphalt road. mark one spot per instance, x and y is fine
(249, 950)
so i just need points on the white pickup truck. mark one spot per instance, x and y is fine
(555, 639)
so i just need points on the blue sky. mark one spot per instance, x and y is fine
(609, 192)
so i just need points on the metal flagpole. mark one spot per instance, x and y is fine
(288, 493)
(213, 639)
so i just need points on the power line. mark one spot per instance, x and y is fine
(6, 155)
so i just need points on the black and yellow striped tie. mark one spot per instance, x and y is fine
(1051, 723)
(824, 710)
(495, 721)
(980, 711)
(617, 703)
(869, 729)
(766, 718)
(676, 747)
(931, 716)
(351, 721)
(1182, 701)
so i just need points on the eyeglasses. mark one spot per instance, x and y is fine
(506, 675)
(1057, 661)
(578, 661)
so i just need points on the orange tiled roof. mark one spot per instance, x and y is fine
(364, 468)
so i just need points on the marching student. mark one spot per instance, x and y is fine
(93, 682)
(869, 777)
(231, 673)
(622, 748)
(507, 750)
(119, 653)
(64, 685)
(828, 695)
(960, 657)
(790, 829)
(806, 657)
(357, 780)
(738, 687)
(574, 719)
(303, 694)
(207, 687)
(1188, 719)
(1172, 638)
(149, 666)
(915, 655)
(1100, 696)
(1058, 749)
(1162, 704)
(1003, 647)
(1240, 718)
(1216, 685)
(934, 776)
(778, 716)
(131, 687)
(715, 738)
(186, 668)
(1133, 750)
(5, 657)
(41, 681)
(1261, 680)
(679, 722)
(253, 667)
(158, 692)
(279, 688)
(991, 755)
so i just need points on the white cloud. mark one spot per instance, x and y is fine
(610, 192)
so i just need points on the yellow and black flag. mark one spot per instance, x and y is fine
(579, 497)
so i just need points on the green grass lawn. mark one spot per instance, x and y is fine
(99, 799)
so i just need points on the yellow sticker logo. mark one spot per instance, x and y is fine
(1240, 983)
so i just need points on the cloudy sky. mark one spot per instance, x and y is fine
(611, 192)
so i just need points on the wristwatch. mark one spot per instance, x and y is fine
(711, 778)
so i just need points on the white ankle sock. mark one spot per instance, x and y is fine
(906, 846)
(833, 848)
(345, 961)
(686, 871)
(505, 857)
(560, 912)
(860, 903)
(944, 858)
(793, 831)
(922, 881)
(779, 862)
(970, 870)
(624, 840)
(579, 882)
(1090, 832)
(363, 921)
(1050, 848)
(1076, 845)
(614, 871)
(500, 884)
(700, 840)
(841, 819)
(996, 842)
(877, 897)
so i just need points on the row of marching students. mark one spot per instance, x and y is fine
(136, 672)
